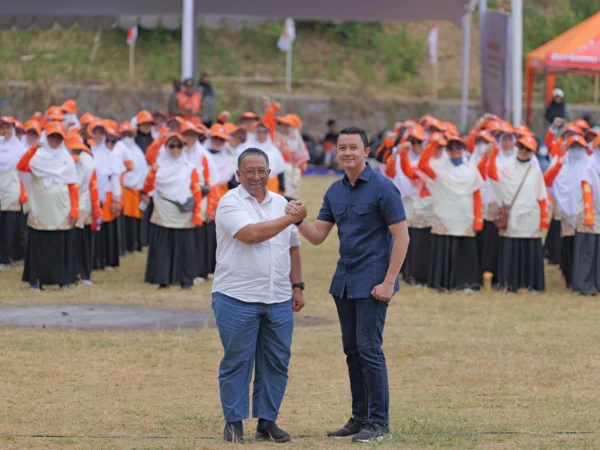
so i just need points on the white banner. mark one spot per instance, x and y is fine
(495, 63)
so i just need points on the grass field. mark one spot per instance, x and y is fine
(461, 367)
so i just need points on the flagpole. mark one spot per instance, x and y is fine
(434, 78)
(131, 62)
(288, 70)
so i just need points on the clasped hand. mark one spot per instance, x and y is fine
(296, 208)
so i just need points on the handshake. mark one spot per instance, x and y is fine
(297, 209)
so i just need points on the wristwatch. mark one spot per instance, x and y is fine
(298, 285)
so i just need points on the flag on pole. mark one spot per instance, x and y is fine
(132, 34)
(432, 40)
(288, 36)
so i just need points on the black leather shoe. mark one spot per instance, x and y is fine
(234, 432)
(269, 431)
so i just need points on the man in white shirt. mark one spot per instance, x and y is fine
(257, 287)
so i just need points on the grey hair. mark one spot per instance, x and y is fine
(252, 151)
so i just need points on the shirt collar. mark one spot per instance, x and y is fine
(245, 194)
(364, 175)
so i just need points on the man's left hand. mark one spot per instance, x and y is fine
(297, 300)
(383, 292)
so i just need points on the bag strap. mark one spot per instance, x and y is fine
(520, 186)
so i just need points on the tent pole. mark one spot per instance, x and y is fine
(464, 84)
(517, 60)
(187, 39)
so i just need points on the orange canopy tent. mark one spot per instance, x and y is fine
(576, 50)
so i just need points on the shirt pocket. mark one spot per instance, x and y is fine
(366, 215)
(339, 211)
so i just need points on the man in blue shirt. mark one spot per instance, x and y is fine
(367, 209)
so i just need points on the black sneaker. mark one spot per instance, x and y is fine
(234, 432)
(373, 432)
(350, 429)
(269, 431)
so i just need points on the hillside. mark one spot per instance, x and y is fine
(383, 59)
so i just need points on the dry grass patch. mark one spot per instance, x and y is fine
(458, 364)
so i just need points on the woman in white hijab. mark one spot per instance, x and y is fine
(586, 256)
(564, 182)
(133, 183)
(455, 188)
(51, 256)
(177, 196)
(519, 185)
(12, 195)
(109, 169)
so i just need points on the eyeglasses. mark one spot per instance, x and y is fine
(111, 141)
(454, 147)
(262, 173)
(173, 146)
(415, 141)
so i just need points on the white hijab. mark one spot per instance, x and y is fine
(107, 165)
(566, 188)
(460, 180)
(174, 177)
(134, 178)
(11, 151)
(406, 186)
(54, 166)
(591, 175)
(196, 155)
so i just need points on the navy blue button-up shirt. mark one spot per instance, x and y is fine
(362, 213)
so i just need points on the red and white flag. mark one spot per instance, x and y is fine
(432, 40)
(132, 34)
(288, 36)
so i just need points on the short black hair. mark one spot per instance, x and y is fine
(330, 122)
(359, 131)
(252, 151)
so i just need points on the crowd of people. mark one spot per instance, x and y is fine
(79, 192)
(479, 206)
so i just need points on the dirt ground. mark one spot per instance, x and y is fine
(499, 371)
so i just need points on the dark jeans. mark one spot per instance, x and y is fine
(362, 322)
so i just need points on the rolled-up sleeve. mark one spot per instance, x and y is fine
(325, 213)
(390, 201)
(231, 216)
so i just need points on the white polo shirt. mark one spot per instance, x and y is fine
(254, 273)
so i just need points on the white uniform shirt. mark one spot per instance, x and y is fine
(254, 273)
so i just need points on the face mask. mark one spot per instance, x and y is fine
(2, 138)
(576, 154)
(480, 148)
(457, 161)
(543, 151)
(128, 140)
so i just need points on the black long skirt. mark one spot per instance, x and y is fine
(211, 247)
(171, 256)
(567, 245)
(146, 225)
(121, 234)
(521, 264)
(454, 263)
(12, 245)
(133, 233)
(489, 249)
(586, 263)
(416, 266)
(200, 260)
(84, 245)
(106, 246)
(552, 244)
(51, 257)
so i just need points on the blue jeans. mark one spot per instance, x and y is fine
(254, 336)
(362, 322)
